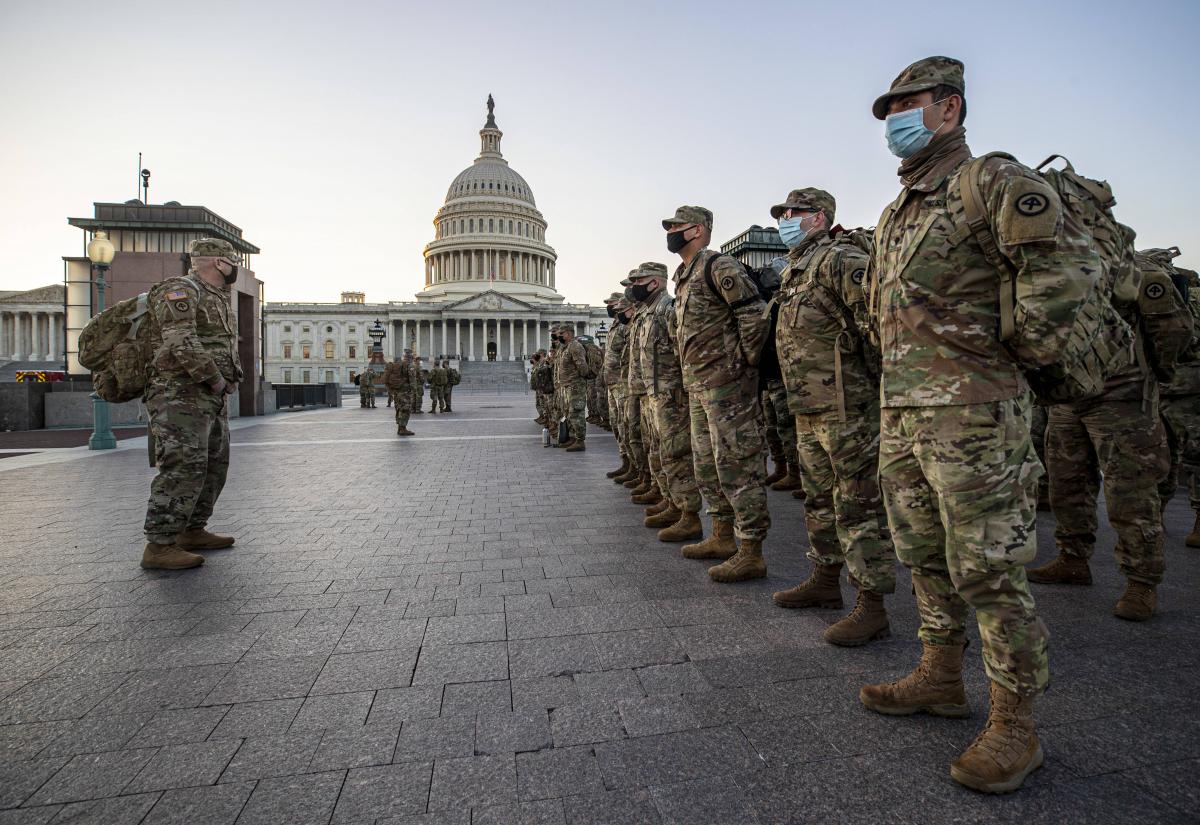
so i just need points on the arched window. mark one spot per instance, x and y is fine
(491, 225)
(510, 227)
(329, 349)
(472, 224)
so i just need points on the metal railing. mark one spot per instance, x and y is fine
(290, 396)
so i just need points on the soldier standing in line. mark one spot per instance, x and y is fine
(1180, 405)
(437, 387)
(452, 379)
(615, 346)
(830, 371)
(398, 378)
(637, 479)
(667, 422)
(722, 329)
(1118, 436)
(573, 368)
(956, 463)
(651, 490)
(194, 370)
(781, 438)
(418, 385)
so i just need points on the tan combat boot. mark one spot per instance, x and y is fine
(686, 528)
(168, 557)
(867, 622)
(663, 518)
(625, 476)
(1138, 603)
(747, 564)
(655, 509)
(1006, 750)
(1064, 569)
(635, 480)
(624, 468)
(651, 496)
(720, 545)
(799, 493)
(779, 472)
(935, 686)
(645, 485)
(819, 590)
(576, 447)
(791, 481)
(1193, 538)
(406, 431)
(202, 540)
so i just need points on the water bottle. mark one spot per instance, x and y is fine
(545, 437)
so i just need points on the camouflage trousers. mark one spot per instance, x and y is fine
(651, 446)
(366, 397)
(542, 405)
(574, 400)
(598, 403)
(1121, 442)
(190, 425)
(959, 486)
(632, 419)
(673, 434)
(616, 417)
(403, 398)
(843, 508)
(447, 393)
(1181, 422)
(1037, 431)
(437, 396)
(729, 455)
(781, 425)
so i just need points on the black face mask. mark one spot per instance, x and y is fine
(612, 313)
(640, 292)
(621, 319)
(232, 277)
(676, 240)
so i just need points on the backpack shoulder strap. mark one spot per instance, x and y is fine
(975, 214)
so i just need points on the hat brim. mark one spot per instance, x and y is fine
(880, 107)
(669, 222)
(625, 282)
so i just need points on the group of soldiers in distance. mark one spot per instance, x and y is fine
(995, 346)
(404, 381)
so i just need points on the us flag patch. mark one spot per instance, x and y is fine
(177, 295)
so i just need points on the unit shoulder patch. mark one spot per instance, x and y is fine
(1029, 212)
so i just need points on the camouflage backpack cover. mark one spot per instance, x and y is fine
(1100, 342)
(595, 358)
(453, 377)
(115, 346)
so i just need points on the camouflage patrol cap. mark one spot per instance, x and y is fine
(922, 76)
(622, 305)
(816, 200)
(627, 281)
(650, 269)
(690, 214)
(612, 299)
(212, 247)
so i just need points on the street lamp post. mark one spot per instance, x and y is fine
(601, 335)
(100, 252)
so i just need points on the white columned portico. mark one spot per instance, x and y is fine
(35, 336)
(403, 335)
(3, 335)
(471, 337)
(444, 336)
(512, 342)
(525, 337)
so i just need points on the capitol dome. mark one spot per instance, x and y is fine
(489, 234)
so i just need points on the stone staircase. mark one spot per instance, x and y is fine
(492, 376)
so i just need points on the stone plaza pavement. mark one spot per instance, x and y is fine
(465, 627)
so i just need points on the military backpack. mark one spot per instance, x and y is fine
(766, 280)
(115, 346)
(1100, 339)
(595, 358)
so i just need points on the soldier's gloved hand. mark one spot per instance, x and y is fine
(218, 386)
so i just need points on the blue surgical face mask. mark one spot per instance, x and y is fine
(791, 233)
(907, 133)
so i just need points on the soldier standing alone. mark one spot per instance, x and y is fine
(437, 387)
(193, 372)
(452, 379)
(398, 377)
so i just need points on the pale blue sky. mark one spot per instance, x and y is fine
(330, 131)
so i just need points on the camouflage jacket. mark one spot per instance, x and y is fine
(721, 329)
(543, 375)
(618, 340)
(935, 298)
(657, 347)
(192, 334)
(366, 379)
(438, 377)
(417, 377)
(570, 366)
(821, 333)
(397, 375)
(1187, 370)
(635, 380)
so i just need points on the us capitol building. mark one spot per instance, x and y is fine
(489, 288)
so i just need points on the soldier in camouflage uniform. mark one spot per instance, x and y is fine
(638, 477)
(420, 376)
(1180, 405)
(1040, 417)
(956, 464)
(452, 379)
(366, 388)
(637, 406)
(721, 328)
(781, 438)
(668, 419)
(831, 374)
(398, 378)
(1118, 436)
(615, 347)
(572, 369)
(437, 387)
(194, 370)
